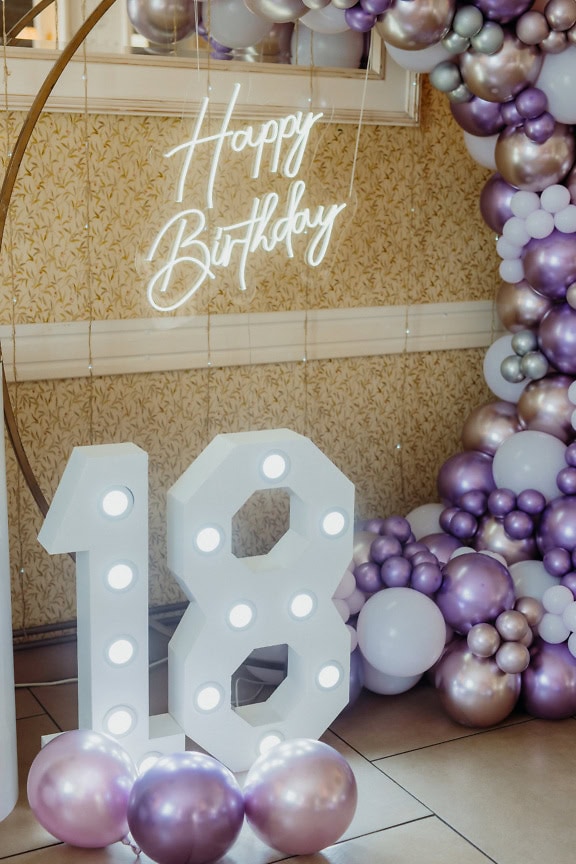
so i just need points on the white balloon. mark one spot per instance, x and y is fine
(346, 586)
(401, 631)
(512, 271)
(565, 220)
(462, 550)
(529, 460)
(423, 60)
(552, 629)
(356, 601)
(231, 23)
(353, 637)
(386, 685)
(514, 231)
(497, 352)
(482, 149)
(557, 598)
(424, 520)
(554, 198)
(539, 224)
(311, 48)
(342, 609)
(557, 79)
(508, 250)
(523, 203)
(327, 20)
(569, 615)
(531, 579)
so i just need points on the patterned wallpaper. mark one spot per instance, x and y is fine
(92, 193)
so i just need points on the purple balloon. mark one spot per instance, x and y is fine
(414, 548)
(557, 337)
(478, 117)
(367, 577)
(569, 580)
(518, 525)
(475, 588)
(531, 501)
(474, 502)
(399, 527)
(442, 545)
(540, 129)
(549, 682)
(385, 546)
(503, 10)
(357, 18)
(376, 7)
(426, 578)
(570, 455)
(301, 796)
(446, 517)
(423, 558)
(465, 472)
(495, 199)
(557, 561)
(511, 115)
(501, 502)
(372, 525)
(492, 537)
(558, 525)
(79, 786)
(531, 103)
(566, 481)
(395, 572)
(463, 525)
(550, 264)
(186, 809)
(356, 677)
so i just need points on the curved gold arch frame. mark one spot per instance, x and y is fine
(8, 184)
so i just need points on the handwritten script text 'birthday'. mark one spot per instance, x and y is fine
(196, 249)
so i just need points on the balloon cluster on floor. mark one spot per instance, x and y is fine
(188, 808)
(497, 555)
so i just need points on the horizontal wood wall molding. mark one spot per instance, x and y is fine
(67, 350)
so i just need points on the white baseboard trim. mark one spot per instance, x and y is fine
(66, 350)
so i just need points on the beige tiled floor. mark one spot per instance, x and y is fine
(430, 791)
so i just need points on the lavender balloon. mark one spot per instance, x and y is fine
(558, 525)
(78, 788)
(549, 683)
(300, 796)
(540, 129)
(478, 116)
(186, 809)
(550, 264)
(495, 200)
(557, 336)
(358, 18)
(531, 103)
(463, 473)
(385, 546)
(475, 588)
(367, 577)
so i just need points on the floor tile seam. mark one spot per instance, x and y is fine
(46, 713)
(15, 855)
(466, 839)
(41, 709)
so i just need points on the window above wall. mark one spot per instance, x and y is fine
(124, 76)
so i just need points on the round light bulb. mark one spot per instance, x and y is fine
(274, 466)
(240, 616)
(268, 741)
(329, 676)
(117, 502)
(208, 539)
(302, 605)
(120, 721)
(121, 651)
(208, 698)
(120, 576)
(334, 523)
(147, 762)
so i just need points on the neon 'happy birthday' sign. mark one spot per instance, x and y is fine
(197, 249)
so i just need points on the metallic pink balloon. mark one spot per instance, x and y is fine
(531, 166)
(519, 307)
(489, 425)
(162, 21)
(473, 690)
(544, 406)
(549, 682)
(557, 337)
(501, 76)
(186, 809)
(476, 588)
(550, 264)
(300, 796)
(415, 24)
(491, 537)
(465, 472)
(78, 788)
(495, 199)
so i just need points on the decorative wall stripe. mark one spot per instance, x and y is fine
(45, 351)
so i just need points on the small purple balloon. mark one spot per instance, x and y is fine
(495, 199)
(503, 10)
(376, 7)
(79, 787)
(557, 561)
(464, 472)
(570, 455)
(531, 102)
(475, 588)
(566, 481)
(511, 115)
(399, 527)
(501, 502)
(367, 577)
(423, 558)
(426, 578)
(372, 525)
(357, 18)
(442, 545)
(531, 501)
(557, 336)
(413, 548)
(385, 546)
(569, 580)
(550, 264)
(549, 682)
(463, 525)
(395, 572)
(474, 502)
(558, 525)
(518, 525)
(540, 129)
(446, 517)
(186, 809)
(478, 117)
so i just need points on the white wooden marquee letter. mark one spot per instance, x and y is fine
(100, 512)
(238, 605)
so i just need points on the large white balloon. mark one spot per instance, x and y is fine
(482, 149)
(503, 389)
(401, 632)
(310, 48)
(231, 23)
(423, 60)
(529, 460)
(387, 685)
(330, 19)
(531, 579)
(424, 520)
(557, 79)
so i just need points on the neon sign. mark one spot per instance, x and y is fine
(196, 249)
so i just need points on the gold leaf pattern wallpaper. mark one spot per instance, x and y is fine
(93, 192)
